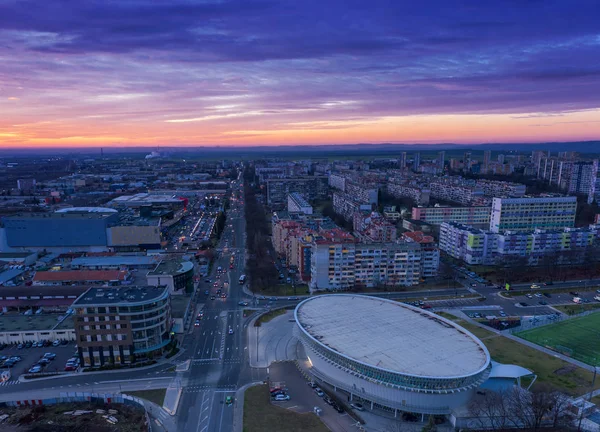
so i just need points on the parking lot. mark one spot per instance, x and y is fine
(534, 298)
(31, 355)
(304, 399)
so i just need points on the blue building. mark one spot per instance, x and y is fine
(58, 231)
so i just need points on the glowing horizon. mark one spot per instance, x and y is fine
(204, 73)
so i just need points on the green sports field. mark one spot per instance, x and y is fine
(578, 338)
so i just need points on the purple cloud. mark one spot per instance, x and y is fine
(295, 61)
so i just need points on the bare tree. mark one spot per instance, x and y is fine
(491, 410)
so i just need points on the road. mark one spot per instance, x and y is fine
(218, 358)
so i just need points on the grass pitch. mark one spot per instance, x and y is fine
(578, 338)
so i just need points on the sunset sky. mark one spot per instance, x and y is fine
(253, 72)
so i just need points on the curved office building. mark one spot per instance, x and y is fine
(390, 355)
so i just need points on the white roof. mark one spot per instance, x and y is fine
(87, 209)
(500, 370)
(392, 336)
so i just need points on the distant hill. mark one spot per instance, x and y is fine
(309, 150)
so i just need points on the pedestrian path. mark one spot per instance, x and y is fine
(10, 382)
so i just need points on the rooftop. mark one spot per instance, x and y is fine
(171, 268)
(80, 275)
(119, 260)
(113, 296)
(392, 336)
(86, 210)
(17, 322)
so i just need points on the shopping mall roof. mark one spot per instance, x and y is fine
(393, 336)
(80, 276)
(171, 268)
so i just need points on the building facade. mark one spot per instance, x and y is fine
(527, 214)
(298, 204)
(117, 326)
(464, 215)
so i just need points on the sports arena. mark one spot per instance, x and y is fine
(390, 355)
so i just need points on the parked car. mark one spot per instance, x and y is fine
(337, 408)
(282, 397)
(35, 369)
(56, 343)
(319, 392)
(20, 346)
(70, 368)
(312, 384)
(43, 361)
(50, 356)
(357, 406)
(327, 400)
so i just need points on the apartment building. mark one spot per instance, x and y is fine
(449, 190)
(363, 193)
(373, 227)
(473, 216)
(485, 247)
(346, 206)
(430, 253)
(337, 181)
(312, 187)
(529, 213)
(471, 245)
(419, 194)
(298, 204)
(341, 266)
(492, 188)
(116, 326)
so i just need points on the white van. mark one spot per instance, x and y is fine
(577, 300)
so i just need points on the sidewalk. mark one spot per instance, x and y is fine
(271, 342)
(159, 418)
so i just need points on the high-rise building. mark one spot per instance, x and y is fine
(402, 160)
(467, 161)
(487, 155)
(527, 214)
(441, 159)
(416, 161)
(501, 158)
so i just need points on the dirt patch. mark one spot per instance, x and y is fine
(565, 370)
(52, 418)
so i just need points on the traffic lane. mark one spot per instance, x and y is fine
(209, 336)
(557, 299)
(221, 418)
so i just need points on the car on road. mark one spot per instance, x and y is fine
(319, 392)
(35, 369)
(212, 297)
(534, 286)
(230, 331)
(206, 292)
(282, 397)
(473, 284)
(543, 303)
(293, 298)
(197, 323)
(312, 384)
(243, 303)
(357, 406)
(228, 400)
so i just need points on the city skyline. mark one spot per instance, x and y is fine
(141, 73)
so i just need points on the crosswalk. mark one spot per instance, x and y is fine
(221, 389)
(217, 361)
(10, 382)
